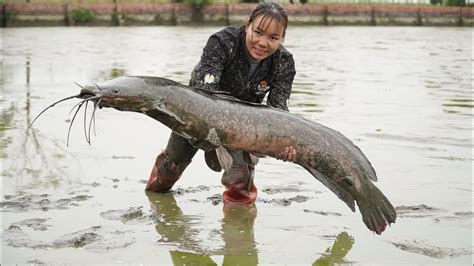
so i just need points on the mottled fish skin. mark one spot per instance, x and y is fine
(213, 121)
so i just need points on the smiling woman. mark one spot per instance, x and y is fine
(265, 31)
(247, 62)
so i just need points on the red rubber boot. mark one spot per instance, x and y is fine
(164, 174)
(239, 185)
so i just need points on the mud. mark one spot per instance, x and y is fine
(182, 191)
(285, 201)
(426, 249)
(215, 199)
(36, 262)
(127, 216)
(437, 214)
(37, 224)
(323, 212)
(417, 211)
(288, 189)
(92, 238)
(44, 202)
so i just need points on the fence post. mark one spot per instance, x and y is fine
(115, 15)
(4, 16)
(419, 21)
(174, 17)
(227, 19)
(325, 16)
(460, 20)
(67, 21)
(372, 16)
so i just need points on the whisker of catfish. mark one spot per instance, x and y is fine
(81, 102)
(79, 85)
(51, 105)
(72, 121)
(96, 104)
(85, 123)
(97, 86)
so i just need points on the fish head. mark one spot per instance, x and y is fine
(123, 93)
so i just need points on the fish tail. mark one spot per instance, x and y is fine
(377, 211)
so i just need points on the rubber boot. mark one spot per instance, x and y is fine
(164, 174)
(239, 185)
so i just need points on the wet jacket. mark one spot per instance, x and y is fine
(224, 67)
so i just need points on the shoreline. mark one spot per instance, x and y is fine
(149, 14)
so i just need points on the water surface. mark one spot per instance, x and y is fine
(402, 94)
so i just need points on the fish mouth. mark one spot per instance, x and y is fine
(87, 93)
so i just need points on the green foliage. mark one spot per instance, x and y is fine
(115, 18)
(436, 2)
(303, 1)
(454, 2)
(197, 3)
(82, 15)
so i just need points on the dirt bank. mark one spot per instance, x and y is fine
(116, 14)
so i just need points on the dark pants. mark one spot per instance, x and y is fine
(169, 166)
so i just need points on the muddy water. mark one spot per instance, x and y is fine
(403, 95)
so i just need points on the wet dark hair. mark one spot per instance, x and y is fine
(273, 11)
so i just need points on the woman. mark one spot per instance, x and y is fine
(248, 62)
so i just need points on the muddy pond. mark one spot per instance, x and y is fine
(402, 94)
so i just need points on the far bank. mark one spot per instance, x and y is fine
(147, 14)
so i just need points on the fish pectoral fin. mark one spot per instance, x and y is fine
(258, 155)
(225, 160)
(212, 160)
(162, 109)
(202, 144)
(250, 158)
(333, 185)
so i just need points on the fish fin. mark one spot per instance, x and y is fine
(163, 115)
(212, 161)
(376, 210)
(335, 187)
(211, 142)
(225, 159)
(169, 113)
(370, 171)
(202, 144)
(258, 155)
(225, 95)
(250, 158)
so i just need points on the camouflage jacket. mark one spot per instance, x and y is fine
(224, 67)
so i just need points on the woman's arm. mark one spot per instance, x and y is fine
(280, 93)
(207, 73)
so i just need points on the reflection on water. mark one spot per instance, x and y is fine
(335, 254)
(176, 228)
(238, 235)
(33, 157)
(237, 232)
(173, 225)
(404, 95)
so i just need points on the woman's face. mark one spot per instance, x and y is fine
(263, 38)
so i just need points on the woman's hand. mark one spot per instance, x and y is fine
(288, 155)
